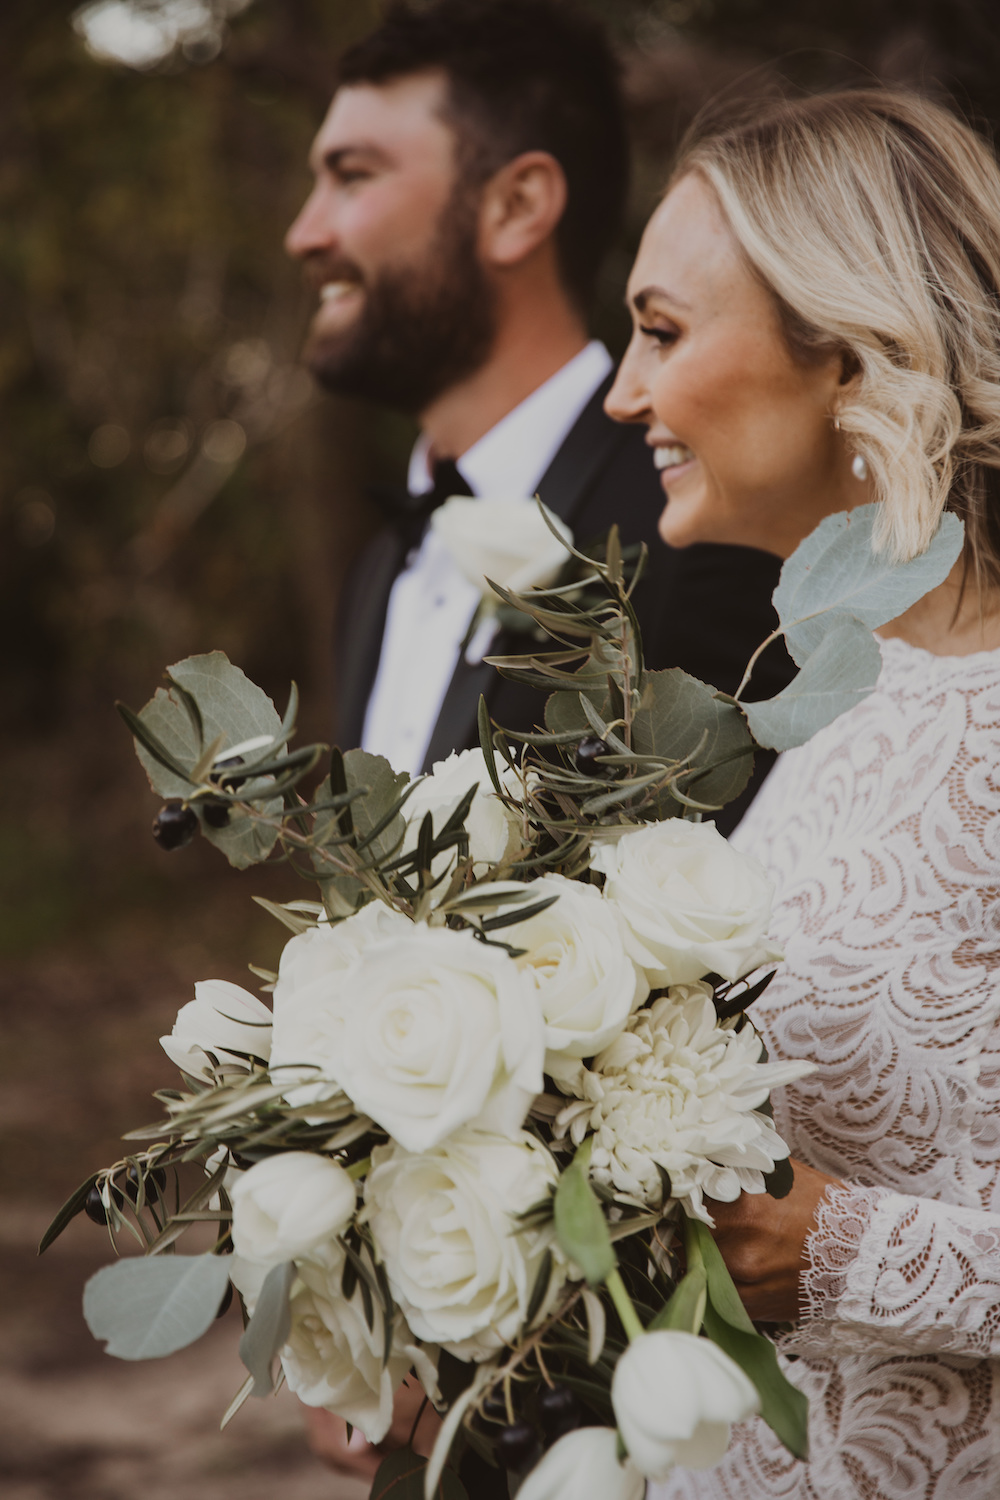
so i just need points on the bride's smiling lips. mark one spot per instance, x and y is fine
(671, 459)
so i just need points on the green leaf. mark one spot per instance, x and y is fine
(401, 1477)
(783, 1407)
(680, 717)
(269, 1327)
(230, 706)
(834, 569)
(385, 787)
(727, 1323)
(540, 1289)
(581, 1227)
(841, 672)
(685, 1309)
(147, 1307)
(73, 1205)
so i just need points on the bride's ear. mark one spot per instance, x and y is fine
(850, 367)
(520, 208)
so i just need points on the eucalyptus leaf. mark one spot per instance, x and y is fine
(401, 1476)
(149, 1306)
(232, 708)
(841, 672)
(836, 570)
(269, 1327)
(679, 717)
(581, 1227)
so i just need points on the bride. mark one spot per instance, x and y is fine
(816, 309)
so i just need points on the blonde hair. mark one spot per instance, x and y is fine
(873, 217)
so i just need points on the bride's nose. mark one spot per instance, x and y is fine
(628, 398)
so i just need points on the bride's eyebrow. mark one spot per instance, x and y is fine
(641, 299)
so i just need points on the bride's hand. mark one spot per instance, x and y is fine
(763, 1240)
(328, 1439)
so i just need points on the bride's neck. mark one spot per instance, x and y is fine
(950, 621)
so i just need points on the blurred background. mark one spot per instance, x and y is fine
(170, 482)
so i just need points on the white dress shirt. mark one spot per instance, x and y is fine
(431, 604)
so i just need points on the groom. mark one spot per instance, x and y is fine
(470, 178)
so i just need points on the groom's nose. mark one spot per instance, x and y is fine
(313, 230)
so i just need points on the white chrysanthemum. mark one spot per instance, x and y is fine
(678, 1092)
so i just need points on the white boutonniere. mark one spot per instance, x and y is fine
(505, 540)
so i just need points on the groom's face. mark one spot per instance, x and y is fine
(388, 239)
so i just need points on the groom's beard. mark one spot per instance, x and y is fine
(422, 329)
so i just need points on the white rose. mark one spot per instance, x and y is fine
(289, 1206)
(488, 823)
(444, 1224)
(223, 1019)
(503, 539)
(575, 956)
(310, 972)
(676, 1091)
(583, 1465)
(332, 1358)
(674, 1397)
(692, 904)
(429, 1032)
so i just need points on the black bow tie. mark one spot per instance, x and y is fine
(410, 513)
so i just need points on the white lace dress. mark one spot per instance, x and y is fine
(883, 835)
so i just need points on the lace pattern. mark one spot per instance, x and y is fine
(883, 837)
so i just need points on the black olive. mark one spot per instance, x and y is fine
(156, 1181)
(558, 1411)
(228, 783)
(94, 1206)
(227, 1301)
(589, 754)
(517, 1446)
(215, 812)
(174, 825)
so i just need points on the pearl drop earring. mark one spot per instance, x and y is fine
(858, 467)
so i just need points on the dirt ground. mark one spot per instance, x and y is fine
(78, 1060)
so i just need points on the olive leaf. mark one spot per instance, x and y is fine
(150, 1306)
(402, 1476)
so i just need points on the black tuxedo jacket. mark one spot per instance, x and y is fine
(704, 608)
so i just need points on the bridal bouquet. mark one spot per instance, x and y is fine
(507, 1059)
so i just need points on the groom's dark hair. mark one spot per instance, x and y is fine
(523, 75)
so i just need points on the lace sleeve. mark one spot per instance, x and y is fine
(901, 1273)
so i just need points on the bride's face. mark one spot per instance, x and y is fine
(741, 430)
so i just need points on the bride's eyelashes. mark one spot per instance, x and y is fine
(662, 336)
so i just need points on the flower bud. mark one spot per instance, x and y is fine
(583, 1465)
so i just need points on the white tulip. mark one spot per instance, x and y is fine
(575, 956)
(583, 1465)
(444, 1222)
(429, 1032)
(289, 1206)
(674, 1397)
(221, 1016)
(503, 539)
(692, 905)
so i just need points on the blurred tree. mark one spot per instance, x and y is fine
(169, 481)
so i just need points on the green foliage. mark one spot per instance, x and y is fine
(581, 1228)
(149, 1306)
(841, 672)
(783, 1407)
(269, 1328)
(835, 570)
(401, 1476)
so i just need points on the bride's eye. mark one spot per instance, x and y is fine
(662, 336)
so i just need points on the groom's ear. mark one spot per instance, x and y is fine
(520, 208)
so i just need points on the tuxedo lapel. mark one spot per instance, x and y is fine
(589, 445)
(363, 612)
